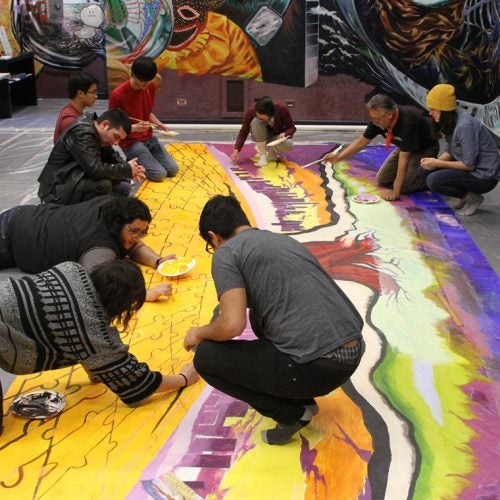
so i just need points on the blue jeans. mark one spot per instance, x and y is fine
(268, 380)
(456, 183)
(154, 158)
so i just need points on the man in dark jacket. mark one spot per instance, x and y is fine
(83, 163)
(37, 237)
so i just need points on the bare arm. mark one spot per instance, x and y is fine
(142, 254)
(404, 158)
(355, 146)
(176, 382)
(229, 324)
(154, 119)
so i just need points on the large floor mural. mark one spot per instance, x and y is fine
(401, 47)
(419, 419)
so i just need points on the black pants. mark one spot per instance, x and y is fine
(267, 379)
(6, 258)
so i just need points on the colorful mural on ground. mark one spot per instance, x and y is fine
(401, 47)
(418, 419)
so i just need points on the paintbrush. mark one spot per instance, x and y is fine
(156, 127)
(324, 157)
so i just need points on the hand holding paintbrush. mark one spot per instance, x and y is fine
(331, 157)
(143, 125)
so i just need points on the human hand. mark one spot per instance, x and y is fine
(390, 195)
(191, 340)
(153, 294)
(138, 172)
(330, 157)
(190, 373)
(171, 256)
(235, 157)
(163, 126)
(428, 163)
(141, 126)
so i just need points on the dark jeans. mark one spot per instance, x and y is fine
(6, 258)
(88, 189)
(265, 378)
(456, 183)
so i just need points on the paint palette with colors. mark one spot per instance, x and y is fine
(176, 267)
(366, 198)
(40, 404)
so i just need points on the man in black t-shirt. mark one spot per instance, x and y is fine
(409, 131)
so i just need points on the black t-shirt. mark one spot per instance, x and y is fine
(412, 132)
(42, 236)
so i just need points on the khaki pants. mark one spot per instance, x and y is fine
(414, 180)
(260, 132)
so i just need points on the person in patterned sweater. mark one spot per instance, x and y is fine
(65, 316)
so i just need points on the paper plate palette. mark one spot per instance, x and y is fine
(176, 267)
(366, 198)
(40, 404)
(278, 141)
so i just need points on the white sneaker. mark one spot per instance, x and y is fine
(472, 202)
(262, 160)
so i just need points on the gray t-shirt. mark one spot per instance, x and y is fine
(293, 302)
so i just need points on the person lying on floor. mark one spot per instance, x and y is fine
(470, 165)
(409, 131)
(309, 333)
(37, 237)
(64, 316)
(267, 120)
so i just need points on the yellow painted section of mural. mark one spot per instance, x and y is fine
(97, 446)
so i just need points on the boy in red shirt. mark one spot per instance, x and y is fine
(82, 92)
(136, 96)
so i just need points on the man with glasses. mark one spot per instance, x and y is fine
(409, 131)
(83, 163)
(37, 237)
(309, 333)
(137, 96)
(82, 92)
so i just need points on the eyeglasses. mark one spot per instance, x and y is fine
(377, 120)
(91, 92)
(209, 248)
(137, 234)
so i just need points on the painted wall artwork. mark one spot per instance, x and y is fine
(401, 47)
(419, 419)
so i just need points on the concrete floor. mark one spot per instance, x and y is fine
(26, 141)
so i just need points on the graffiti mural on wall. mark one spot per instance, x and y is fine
(65, 34)
(402, 47)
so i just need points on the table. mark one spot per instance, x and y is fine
(20, 88)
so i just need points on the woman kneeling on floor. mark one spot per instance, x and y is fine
(470, 165)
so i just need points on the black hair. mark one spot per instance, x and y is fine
(120, 285)
(265, 106)
(221, 215)
(117, 118)
(79, 80)
(123, 210)
(144, 68)
(447, 123)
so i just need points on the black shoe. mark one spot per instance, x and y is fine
(282, 432)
